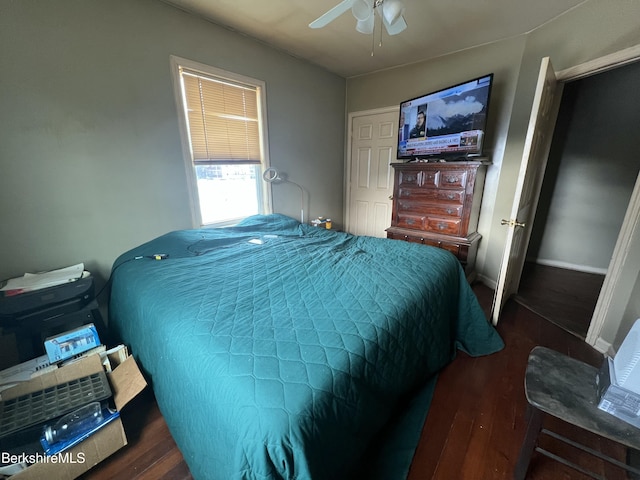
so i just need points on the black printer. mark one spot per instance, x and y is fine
(35, 315)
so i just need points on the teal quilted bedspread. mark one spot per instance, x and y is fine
(279, 350)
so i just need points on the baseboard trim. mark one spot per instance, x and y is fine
(492, 284)
(570, 266)
(604, 347)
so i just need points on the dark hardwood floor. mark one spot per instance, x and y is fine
(476, 422)
(562, 296)
(473, 430)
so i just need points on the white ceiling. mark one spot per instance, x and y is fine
(435, 28)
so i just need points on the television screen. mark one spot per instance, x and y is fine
(449, 123)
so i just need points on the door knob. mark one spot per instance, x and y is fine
(512, 223)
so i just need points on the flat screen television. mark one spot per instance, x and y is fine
(448, 124)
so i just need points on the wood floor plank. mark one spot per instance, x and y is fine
(454, 378)
(508, 420)
(149, 440)
(490, 409)
(161, 467)
(562, 296)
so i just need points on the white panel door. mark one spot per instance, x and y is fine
(546, 102)
(373, 148)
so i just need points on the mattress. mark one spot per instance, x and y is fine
(280, 350)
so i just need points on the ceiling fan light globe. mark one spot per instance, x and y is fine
(398, 26)
(366, 26)
(392, 10)
(361, 10)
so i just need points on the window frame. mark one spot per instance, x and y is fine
(263, 189)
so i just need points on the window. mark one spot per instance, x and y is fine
(223, 124)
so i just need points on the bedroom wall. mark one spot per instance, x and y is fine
(90, 156)
(390, 87)
(589, 31)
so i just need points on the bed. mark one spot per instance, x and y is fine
(280, 350)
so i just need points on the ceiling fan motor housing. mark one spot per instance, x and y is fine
(391, 12)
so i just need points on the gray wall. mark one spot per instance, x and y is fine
(90, 157)
(592, 30)
(591, 172)
(390, 87)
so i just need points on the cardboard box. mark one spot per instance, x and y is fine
(23, 372)
(71, 343)
(126, 383)
(618, 401)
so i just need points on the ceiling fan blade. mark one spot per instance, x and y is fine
(396, 27)
(332, 14)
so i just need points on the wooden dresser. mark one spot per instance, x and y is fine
(438, 204)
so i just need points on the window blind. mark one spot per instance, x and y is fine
(223, 120)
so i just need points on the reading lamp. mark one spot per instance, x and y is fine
(272, 175)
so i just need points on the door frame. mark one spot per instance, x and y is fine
(347, 164)
(630, 231)
(614, 279)
(616, 290)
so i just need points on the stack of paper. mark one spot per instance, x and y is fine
(35, 281)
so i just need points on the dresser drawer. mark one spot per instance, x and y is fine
(432, 194)
(446, 226)
(405, 237)
(452, 179)
(414, 206)
(454, 248)
(412, 239)
(451, 247)
(456, 196)
(409, 178)
(443, 210)
(415, 222)
(415, 238)
(430, 179)
(433, 178)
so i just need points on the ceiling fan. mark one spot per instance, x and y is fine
(390, 12)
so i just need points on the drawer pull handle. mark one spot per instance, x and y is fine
(451, 196)
(449, 211)
(442, 226)
(453, 179)
(411, 221)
